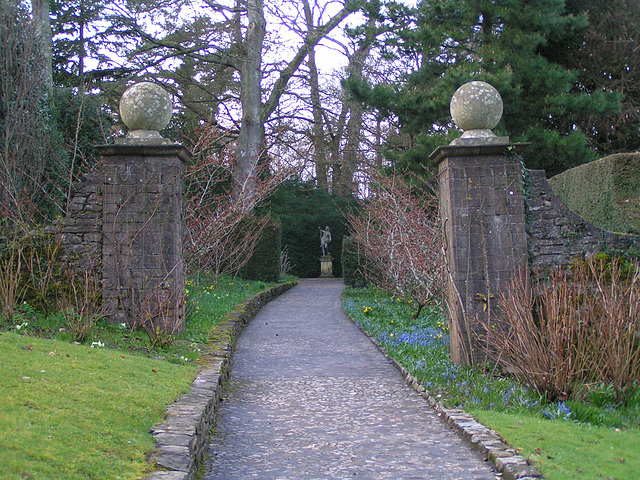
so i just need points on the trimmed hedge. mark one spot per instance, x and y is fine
(264, 264)
(605, 192)
(352, 263)
(303, 210)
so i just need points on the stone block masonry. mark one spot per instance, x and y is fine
(142, 231)
(557, 236)
(81, 230)
(483, 215)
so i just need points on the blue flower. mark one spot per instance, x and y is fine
(560, 411)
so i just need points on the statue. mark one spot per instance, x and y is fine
(325, 238)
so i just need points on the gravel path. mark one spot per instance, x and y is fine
(310, 397)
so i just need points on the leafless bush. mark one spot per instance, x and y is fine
(159, 312)
(29, 269)
(575, 328)
(12, 286)
(399, 231)
(615, 323)
(285, 261)
(79, 301)
(221, 229)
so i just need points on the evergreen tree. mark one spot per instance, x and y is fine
(606, 58)
(445, 43)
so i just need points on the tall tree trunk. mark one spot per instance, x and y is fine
(251, 134)
(42, 25)
(317, 135)
(343, 183)
(255, 112)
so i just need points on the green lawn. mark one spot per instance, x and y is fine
(564, 450)
(76, 412)
(70, 411)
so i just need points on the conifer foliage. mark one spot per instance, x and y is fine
(511, 44)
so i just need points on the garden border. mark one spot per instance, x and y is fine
(182, 439)
(506, 460)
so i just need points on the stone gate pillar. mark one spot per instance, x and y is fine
(483, 216)
(142, 255)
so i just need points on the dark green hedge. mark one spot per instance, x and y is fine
(303, 209)
(605, 193)
(352, 263)
(264, 264)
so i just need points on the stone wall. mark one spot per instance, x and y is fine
(556, 235)
(81, 229)
(126, 221)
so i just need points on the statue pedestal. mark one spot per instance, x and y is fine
(326, 266)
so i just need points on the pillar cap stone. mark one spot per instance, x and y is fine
(145, 108)
(476, 107)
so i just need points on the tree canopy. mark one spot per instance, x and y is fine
(517, 46)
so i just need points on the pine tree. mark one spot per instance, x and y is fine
(606, 58)
(445, 43)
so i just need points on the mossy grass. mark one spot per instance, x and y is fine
(79, 411)
(206, 306)
(421, 345)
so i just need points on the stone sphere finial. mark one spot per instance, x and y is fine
(476, 107)
(145, 108)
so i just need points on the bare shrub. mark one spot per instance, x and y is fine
(616, 326)
(221, 229)
(159, 312)
(573, 329)
(285, 262)
(539, 341)
(399, 231)
(79, 301)
(12, 286)
(30, 267)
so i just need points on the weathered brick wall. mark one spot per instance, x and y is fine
(557, 236)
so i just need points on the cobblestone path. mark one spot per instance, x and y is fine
(310, 397)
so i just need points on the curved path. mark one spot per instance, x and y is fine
(310, 397)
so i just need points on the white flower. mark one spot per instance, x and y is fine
(98, 344)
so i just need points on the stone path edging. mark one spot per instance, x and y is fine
(183, 437)
(505, 459)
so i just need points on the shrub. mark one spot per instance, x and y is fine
(30, 268)
(398, 228)
(353, 259)
(576, 328)
(264, 264)
(79, 299)
(302, 209)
